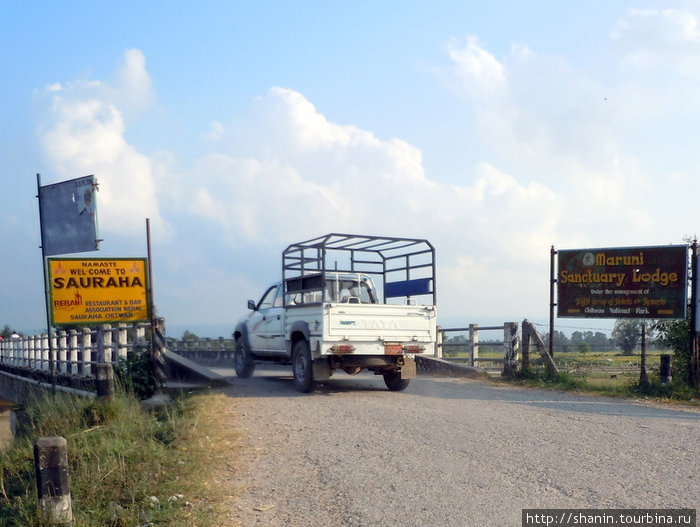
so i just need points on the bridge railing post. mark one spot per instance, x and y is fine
(86, 352)
(61, 350)
(104, 343)
(45, 355)
(73, 351)
(122, 341)
(34, 352)
(5, 352)
(473, 344)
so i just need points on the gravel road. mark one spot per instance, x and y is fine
(450, 452)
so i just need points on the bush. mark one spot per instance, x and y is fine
(135, 374)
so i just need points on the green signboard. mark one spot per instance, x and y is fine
(634, 282)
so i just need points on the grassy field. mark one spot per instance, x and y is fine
(609, 373)
(128, 466)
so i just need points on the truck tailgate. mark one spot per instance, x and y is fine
(363, 322)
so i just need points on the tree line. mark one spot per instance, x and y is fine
(626, 337)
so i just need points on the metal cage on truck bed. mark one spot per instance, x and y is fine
(401, 267)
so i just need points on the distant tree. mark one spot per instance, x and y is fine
(562, 344)
(626, 334)
(583, 347)
(6, 332)
(188, 335)
(599, 341)
(577, 338)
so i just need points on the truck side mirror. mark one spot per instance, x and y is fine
(251, 305)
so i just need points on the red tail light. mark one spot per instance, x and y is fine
(343, 348)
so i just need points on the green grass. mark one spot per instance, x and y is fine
(128, 466)
(608, 373)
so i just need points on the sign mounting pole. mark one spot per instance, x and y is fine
(47, 298)
(552, 282)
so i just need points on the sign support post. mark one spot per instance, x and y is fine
(552, 305)
(149, 299)
(694, 373)
(47, 296)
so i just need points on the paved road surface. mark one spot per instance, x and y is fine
(451, 452)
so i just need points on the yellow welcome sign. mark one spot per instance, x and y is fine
(98, 290)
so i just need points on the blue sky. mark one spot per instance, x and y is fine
(495, 130)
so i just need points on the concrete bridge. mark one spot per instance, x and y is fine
(67, 360)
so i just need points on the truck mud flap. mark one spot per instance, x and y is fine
(408, 368)
(321, 369)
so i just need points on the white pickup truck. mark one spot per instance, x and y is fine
(320, 320)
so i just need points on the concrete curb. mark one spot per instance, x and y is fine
(433, 366)
(184, 372)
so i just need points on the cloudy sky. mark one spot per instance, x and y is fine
(494, 129)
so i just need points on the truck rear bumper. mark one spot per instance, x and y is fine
(405, 364)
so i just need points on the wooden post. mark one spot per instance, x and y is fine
(665, 369)
(539, 343)
(53, 480)
(511, 348)
(473, 344)
(526, 346)
(643, 377)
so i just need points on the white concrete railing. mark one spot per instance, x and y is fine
(76, 351)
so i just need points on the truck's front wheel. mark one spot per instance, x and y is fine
(243, 360)
(394, 381)
(301, 367)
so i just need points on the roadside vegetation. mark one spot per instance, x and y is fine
(609, 373)
(128, 466)
(592, 362)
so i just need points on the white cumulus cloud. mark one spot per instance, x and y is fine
(84, 134)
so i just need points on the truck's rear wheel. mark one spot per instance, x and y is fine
(302, 368)
(243, 360)
(394, 381)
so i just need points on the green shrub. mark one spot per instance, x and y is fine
(135, 374)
